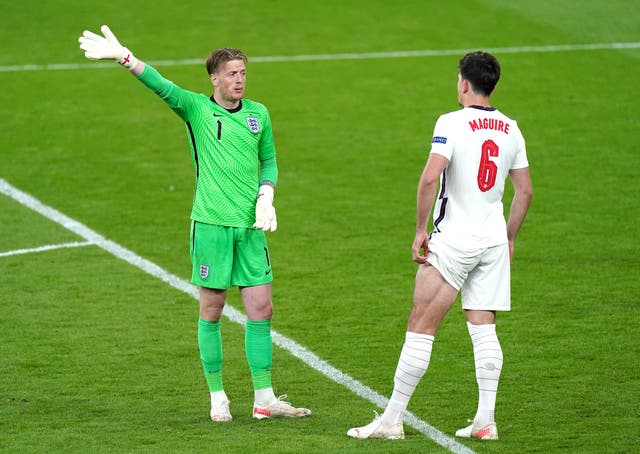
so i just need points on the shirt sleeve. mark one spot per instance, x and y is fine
(169, 92)
(442, 140)
(266, 147)
(269, 170)
(267, 153)
(520, 160)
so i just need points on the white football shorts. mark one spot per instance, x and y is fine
(483, 276)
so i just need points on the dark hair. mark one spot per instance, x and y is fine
(482, 70)
(219, 57)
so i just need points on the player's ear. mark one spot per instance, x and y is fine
(466, 86)
(214, 79)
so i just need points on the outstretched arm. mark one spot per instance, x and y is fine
(108, 47)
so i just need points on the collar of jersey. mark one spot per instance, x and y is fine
(234, 110)
(489, 109)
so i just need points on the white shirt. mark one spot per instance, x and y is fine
(482, 145)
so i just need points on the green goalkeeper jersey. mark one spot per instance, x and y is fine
(232, 151)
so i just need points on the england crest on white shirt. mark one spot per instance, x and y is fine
(253, 124)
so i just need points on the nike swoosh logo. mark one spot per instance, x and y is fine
(267, 272)
(217, 115)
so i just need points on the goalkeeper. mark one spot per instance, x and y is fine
(234, 157)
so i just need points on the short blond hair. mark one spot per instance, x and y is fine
(219, 57)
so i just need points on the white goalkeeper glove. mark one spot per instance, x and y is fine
(96, 47)
(265, 212)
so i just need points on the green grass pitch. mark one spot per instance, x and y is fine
(98, 356)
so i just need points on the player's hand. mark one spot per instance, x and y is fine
(265, 212)
(106, 47)
(420, 248)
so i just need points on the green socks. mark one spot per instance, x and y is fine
(259, 348)
(210, 344)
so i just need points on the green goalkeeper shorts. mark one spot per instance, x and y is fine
(222, 257)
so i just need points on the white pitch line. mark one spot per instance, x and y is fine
(343, 56)
(48, 247)
(231, 313)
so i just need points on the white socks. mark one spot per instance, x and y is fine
(488, 359)
(413, 363)
(217, 397)
(264, 397)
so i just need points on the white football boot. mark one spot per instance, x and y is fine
(279, 409)
(376, 429)
(220, 412)
(488, 432)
